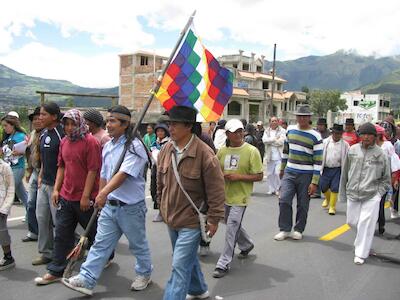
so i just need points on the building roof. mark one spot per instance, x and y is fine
(257, 75)
(279, 96)
(240, 92)
(143, 52)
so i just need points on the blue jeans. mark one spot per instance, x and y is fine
(112, 223)
(19, 175)
(31, 206)
(186, 277)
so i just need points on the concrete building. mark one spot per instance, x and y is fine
(138, 73)
(253, 90)
(364, 107)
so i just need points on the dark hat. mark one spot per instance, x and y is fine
(367, 128)
(349, 121)
(182, 114)
(303, 110)
(337, 128)
(94, 116)
(322, 121)
(36, 112)
(162, 126)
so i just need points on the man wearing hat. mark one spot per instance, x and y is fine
(95, 122)
(300, 169)
(365, 179)
(32, 173)
(350, 135)
(335, 151)
(201, 177)
(322, 128)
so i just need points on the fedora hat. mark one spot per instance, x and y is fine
(322, 121)
(303, 110)
(183, 114)
(337, 128)
(36, 112)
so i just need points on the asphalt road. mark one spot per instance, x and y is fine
(307, 269)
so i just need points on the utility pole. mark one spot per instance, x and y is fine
(270, 110)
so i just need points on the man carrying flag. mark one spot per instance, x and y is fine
(194, 84)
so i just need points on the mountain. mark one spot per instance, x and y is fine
(20, 89)
(341, 70)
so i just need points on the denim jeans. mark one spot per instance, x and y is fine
(19, 175)
(186, 277)
(112, 223)
(46, 218)
(294, 184)
(31, 207)
(69, 215)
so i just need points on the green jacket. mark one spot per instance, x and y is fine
(365, 173)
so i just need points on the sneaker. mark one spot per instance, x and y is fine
(204, 250)
(283, 235)
(358, 260)
(245, 253)
(7, 263)
(28, 239)
(296, 235)
(205, 295)
(158, 218)
(219, 273)
(41, 261)
(108, 264)
(140, 283)
(394, 214)
(46, 279)
(76, 283)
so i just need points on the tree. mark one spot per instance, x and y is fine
(69, 102)
(323, 100)
(306, 90)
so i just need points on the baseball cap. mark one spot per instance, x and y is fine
(13, 114)
(233, 125)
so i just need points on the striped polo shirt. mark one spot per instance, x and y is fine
(302, 152)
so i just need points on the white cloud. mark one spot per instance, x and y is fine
(38, 60)
(299, 28)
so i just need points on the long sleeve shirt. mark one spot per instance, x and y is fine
(302, 152)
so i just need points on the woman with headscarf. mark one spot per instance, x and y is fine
(79, 158)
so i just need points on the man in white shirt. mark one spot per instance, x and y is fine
(273, 138)
(335, 151)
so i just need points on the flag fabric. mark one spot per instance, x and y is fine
(194, 78)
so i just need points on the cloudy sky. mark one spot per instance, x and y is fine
(80, 40)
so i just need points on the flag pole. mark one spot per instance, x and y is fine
(157, 85)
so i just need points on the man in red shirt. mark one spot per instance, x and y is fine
(79, 158)
(350, 135)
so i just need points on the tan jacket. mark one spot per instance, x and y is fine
(202, 178)
(7, 188)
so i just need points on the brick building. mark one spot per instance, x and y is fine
(138, 72)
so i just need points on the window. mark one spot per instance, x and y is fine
(355, 103)
(285, 108)
(246, 67)
(259, 69)
(235, 66)
(386, 104)
(279, 86)
(265, 85)
(381, 103)
(144, 61)
(234, 108)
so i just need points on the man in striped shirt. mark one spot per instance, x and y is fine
(300, 169)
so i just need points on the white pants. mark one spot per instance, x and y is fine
(363, 215)
(273, 181)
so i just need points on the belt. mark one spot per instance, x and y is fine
(116, 203)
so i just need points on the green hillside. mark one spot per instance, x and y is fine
(20, 89)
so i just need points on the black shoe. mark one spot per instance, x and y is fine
(28, 239)
(7, 263)
(381, 230)
(245, 253)
(219, 273)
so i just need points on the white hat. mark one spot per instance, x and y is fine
(13, 114)
(233, 125)
(259, 123)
